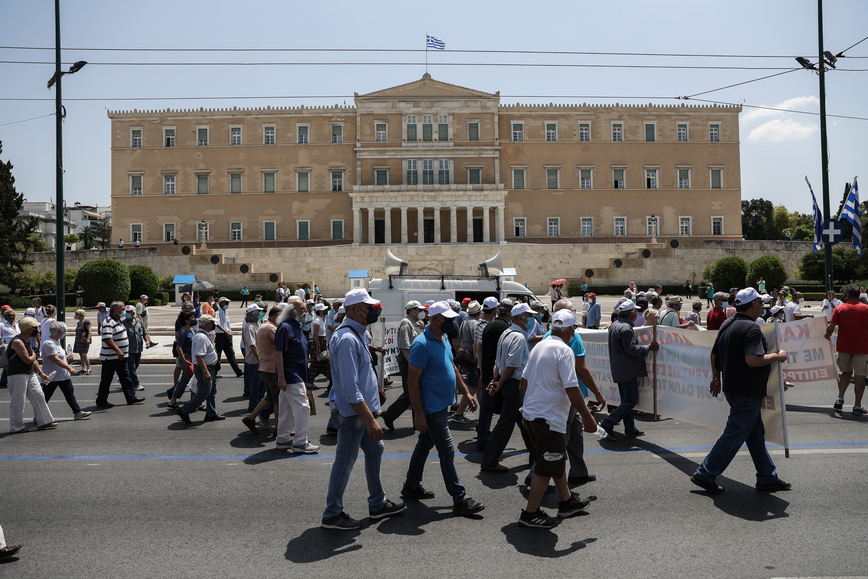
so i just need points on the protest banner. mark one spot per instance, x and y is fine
(390, 343)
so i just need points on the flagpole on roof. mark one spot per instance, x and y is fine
(426, 53)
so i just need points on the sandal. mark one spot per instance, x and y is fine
(47, 426)
(22, 431)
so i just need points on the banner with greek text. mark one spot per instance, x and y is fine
(390, 343)
(810, 354)
(597, 359)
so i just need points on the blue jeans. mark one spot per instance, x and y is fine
(205, 391)
(352, 436)
(438, 435)
(744, 425)
(68, 393)
(253, 385)
(629, 392)
(133, 359)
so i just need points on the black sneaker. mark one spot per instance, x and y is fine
(839, 404)
(572, 506)
(778, 485)
(537, 520)
(215, 418)
(388, 510)
(185, 417)
(250, 424)
(711, 487)
(467, 507)
(417, 493)
(342, 522)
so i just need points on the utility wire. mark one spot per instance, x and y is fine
(25, 120)
(848, 48)
(740, 83)
(780, 110)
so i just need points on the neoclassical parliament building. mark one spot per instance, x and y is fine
(425, 162)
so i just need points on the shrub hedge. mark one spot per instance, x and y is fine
(143, 281)
(104, 280)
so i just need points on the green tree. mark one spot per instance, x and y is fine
(757, 219)
(729, 272)
(37, 243)
(71, 238)
(847, 266)
(69, 280)
(87, 237)
(102, 230)
(143, 281)
(104, 280)
(13, 253)
(768, 267)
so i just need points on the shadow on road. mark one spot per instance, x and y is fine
(540, 542)
(271, 454)
(418, 514)
(318, 544)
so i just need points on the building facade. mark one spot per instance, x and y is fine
(426, 163)
(46, 215)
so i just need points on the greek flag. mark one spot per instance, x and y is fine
(818, 220)
(851, 214)
(434, 43)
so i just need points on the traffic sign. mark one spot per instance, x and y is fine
(831, 232)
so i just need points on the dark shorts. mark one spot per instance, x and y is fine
(269, 379)
(547, 443)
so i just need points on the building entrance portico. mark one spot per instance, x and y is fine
(428, 214)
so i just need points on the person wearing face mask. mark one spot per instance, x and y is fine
(433, 379)
(138, 337)
(594, 312)
(204, 369)
(223, 337)
(509, 363)
(252, 384)
(717, 315)
(290, 347)
(54, 360)
(356, 397)
(24, 376)
(112, 356)
(535, 329)
(8, 330)
(408, 329)
(185, 357)
(792, 311)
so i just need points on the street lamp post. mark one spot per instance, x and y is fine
(59, 114)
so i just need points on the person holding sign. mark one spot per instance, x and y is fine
(739, 353)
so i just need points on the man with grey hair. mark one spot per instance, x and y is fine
(627, 363)
(290, 362)
(204, 369)
(115, 345)
(510, 360)
(717, 315)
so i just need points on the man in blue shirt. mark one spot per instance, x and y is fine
(290, 348)
(432, 380)
(594, 313)
(355, 395)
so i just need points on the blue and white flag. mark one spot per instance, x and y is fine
(434, 43)
(852, 214)
(818, 220)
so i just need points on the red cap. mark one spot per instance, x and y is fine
(591, 295)
(466, 301)
(6, 307)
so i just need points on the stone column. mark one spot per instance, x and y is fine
(437, 237)
(453, 224)
(371, 233)
(470, 225)
(486, 225)
(357, 226)
(388, 226)
(403, 225)
(420, 225)
(500, 232)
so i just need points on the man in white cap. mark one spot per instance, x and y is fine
(627, 362)
(101, 315)
(739, 353)
(550, 389)
(142, 310)
(357, 398)
(509, 363)
(205, 358)
(433, 379)
(408, 329)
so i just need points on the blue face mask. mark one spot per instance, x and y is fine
(724, 305)
(128, 316)
(194, 322)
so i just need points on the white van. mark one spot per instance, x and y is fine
(395, 291)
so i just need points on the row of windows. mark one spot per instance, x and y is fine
(617, 131)
(236, 231)
(619, 226)
(586, 178)
(268, 184)
(426, 129)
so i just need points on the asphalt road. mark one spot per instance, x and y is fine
(134, 493)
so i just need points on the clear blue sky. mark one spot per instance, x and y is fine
(778, 148)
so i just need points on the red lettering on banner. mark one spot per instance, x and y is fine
(793, 331)
(810, 374)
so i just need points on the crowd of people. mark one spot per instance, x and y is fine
(495, 359)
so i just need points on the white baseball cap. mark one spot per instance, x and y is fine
(358, 296)
(766, 298)
(776, 309)
(564, 319)
(746, 296)
(490, 303)
(519, 309)
(626, 306)
(413, 304)
(442, 308)
(253, 308)
(342, 310)
(318, 307)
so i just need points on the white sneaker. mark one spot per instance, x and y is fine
(306, 448)
(140, 387)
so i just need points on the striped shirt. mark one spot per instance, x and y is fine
(112, 329)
